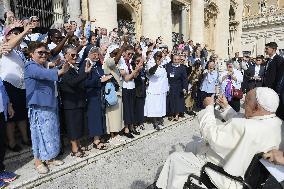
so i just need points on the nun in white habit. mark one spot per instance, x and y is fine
(231, 145)
(156, 93)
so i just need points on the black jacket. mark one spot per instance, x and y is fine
(274, 72)
(249, 81)
(72, 91)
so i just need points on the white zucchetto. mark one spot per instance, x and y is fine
(267, 98)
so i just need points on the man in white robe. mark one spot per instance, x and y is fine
(231, 145)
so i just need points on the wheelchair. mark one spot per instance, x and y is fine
(255, 177)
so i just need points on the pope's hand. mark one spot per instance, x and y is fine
(208, 101)
(274, 156)
(222, 101)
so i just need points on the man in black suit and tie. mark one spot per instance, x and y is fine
(274, 72)
(253, 76)
(274, 67)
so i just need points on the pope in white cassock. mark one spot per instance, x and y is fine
(232, 145)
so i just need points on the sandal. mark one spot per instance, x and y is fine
(176, 119)
(84, 148)
(142, 127)
(79, 153)
(102, 146)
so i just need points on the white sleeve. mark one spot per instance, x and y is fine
(222, 138)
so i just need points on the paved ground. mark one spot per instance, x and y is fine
(133, 165)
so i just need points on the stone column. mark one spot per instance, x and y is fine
(222, 29)
(184, 22)
(238, 17)
(166, 22)
(85, 9)
(105, 13)
(74, 10)
(151, 18)
(197, 21)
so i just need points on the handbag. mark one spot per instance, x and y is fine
(237, 93)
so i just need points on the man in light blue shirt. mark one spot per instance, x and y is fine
(209, 84)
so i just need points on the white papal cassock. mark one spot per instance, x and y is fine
(231, 145)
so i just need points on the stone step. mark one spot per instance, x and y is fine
(29, 178)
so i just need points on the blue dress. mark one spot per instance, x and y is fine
(95, 101)
(43, 110)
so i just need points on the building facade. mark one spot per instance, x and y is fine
(217, 23)
(262, 23)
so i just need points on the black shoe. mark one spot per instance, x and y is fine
(157, 127)
(16, 148)
(29, 143)
(128, 135)
(191, 113)
(134, 131)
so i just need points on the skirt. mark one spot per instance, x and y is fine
(96, 117)
(114, 122)
(155, 105)
(128, 99)
(18, 99)
(74, 122)
(139, 110)
(175, 103)
(45, 135)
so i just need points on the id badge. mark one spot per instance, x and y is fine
(172, 75)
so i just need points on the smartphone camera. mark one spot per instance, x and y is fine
(216, 106)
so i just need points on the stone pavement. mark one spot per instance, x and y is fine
(133, 164)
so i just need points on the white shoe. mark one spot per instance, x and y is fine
(115, 142)
(42, 169)
(55, 162)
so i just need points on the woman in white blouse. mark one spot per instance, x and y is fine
(156, 94)
(231, 79)
(12, 74)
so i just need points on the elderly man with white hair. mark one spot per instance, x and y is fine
(231, 145)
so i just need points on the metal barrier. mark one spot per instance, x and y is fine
(44, 9)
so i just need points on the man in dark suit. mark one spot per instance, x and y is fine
(274, 72)
(274, 67)
(253, 76)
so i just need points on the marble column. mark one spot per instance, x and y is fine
(184, 23)
(197, 21)
(59, 9)
(85, 9)
(166, 22)
(222, 29)
(74, 10)
(151, 18)
(238, 40)
(105, 13)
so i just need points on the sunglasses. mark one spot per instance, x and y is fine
(58, 37)
(41, 53)
(74, 55)
(130, 54)
(35, 20)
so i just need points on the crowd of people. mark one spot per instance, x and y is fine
(67, 79)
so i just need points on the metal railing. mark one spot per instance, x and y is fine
(41, 8)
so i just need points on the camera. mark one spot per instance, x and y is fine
(216, 106)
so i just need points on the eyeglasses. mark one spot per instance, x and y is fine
(74, 55)
(41, 53)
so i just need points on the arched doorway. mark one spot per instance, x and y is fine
(125, 18)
